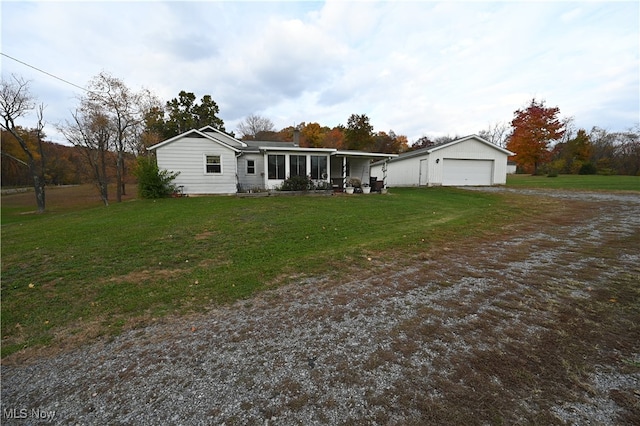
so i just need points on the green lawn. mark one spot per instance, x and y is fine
(579, 182)
(96, 270)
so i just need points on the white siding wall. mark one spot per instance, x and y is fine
(400, 173)
(359, 169)
(187, 156)
(256, 180)
(470, 150)
(406, 172)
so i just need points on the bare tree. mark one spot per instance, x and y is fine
(251, 126)
(142, 135)
(122, 107)
(497, 133)
(94, 133)
(15, 102)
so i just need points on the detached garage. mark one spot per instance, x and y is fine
(468, 161)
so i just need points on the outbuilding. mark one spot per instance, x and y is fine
(468, 161)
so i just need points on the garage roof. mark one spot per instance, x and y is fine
(430, 149)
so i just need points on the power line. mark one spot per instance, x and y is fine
(47, 73)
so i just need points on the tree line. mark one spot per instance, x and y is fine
(545, 143)
(357, 135)
(113, 125)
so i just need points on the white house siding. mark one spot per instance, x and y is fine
(468, 150)
(251, 181)
(188, 156)
(399, 173)
(359, 169)
(427, 168)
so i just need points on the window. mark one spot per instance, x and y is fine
(251, 167)
(297, 165)
(276, 167)
(213, 164)
(318, 167)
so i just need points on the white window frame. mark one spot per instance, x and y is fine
(282, 169)
(206, 163)
(254, 167)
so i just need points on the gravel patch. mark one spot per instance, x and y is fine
(370, 351)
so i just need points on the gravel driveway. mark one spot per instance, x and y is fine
(466, 331)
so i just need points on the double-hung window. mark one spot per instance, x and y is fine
(297, 165)
(318, 167)
(276, 167)
(251, 167)
(213, 165)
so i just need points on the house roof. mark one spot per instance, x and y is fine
(478, 138)
(428, 150)
(198, 134)
(258, 144)
(364, 154)
(261, 146)
(223, 139)
(220, 134)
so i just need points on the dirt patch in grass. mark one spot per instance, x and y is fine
(535, 323)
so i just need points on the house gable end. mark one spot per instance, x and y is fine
(468, 138)
(223, 137)
(192, 134)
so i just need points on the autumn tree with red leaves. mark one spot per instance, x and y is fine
(534, 128)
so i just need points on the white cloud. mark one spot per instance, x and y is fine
(415, 67)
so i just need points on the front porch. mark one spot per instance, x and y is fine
(352, 168)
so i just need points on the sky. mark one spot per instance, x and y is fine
(419, 68)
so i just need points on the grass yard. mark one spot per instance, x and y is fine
(577, 182)
(77, 273)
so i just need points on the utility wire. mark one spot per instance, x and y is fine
(47, 73)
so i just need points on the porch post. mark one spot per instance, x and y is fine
(344, 171)
(265, 170)
(384, 173)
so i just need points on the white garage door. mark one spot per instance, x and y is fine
(467, 172)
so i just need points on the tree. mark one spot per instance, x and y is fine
(254, 125)
(497, 134)
(359, 133)
(153, 182)
(312, 135)
(389, 143)
(109, 97)
(629, 152)
(422, 142)
(604, 149)
(93, 132)
(15, 102)
(534, 128)
(334, 138)
(578, 152)
(185, 114)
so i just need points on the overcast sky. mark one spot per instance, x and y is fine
(416, 67)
